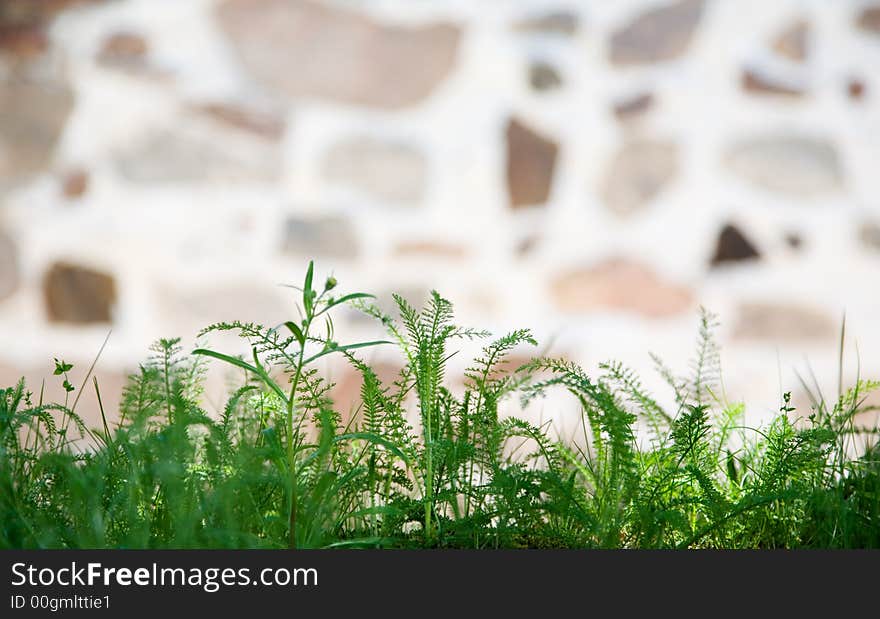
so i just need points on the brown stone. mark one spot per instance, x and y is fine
(79, 295)
(258, 122)
(123, 48)
(869, 19)
(306, 49)
(620, 285)
(531, 161)
(23, 40)
(388, 171)
(32, 117)
(795, 165)
(562, 23)
(855, 89)
(633, 107)
(657, 35)
(754, 82)
(733, 246)
(75, 184)
(782, 321)
(793, 41)
(638, 173)
(544, 76)
(429, 249)
(9, 275)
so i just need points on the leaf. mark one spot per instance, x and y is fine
(297, 332)
(346, 299)
(259, 371)
(307, 288)
(61, 367)
(329, 350)
(374, 438)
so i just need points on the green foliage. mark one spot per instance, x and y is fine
(428, 460)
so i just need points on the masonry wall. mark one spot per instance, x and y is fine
(594, 170)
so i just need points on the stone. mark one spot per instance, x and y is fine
(328, 236)
(620, 285)
(795, 165)
(638, 173)
(633, 107)
(189, 309)
(75, 184)
(304, 49)
(855, 89)
(562, 23)
(869, 234)
(123, 49)
(23, 41)
(32, 117)
(543, 76)
(793, 41)
(657, 35)
(531, 161)
(794, 241)
(78, 295)
(394, 172)
(261, 123)
(188, 157)
(9, 274)
(733, 246)
(869, 19)
(429, 249)
(754, 82)
(781, 321)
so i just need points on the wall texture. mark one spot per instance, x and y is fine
(594, 170)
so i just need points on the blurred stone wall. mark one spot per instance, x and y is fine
(594, 170)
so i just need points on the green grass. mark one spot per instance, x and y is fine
(279, 469)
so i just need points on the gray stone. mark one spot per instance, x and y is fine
(869, 234)
(544, 76)
(782, 321)
(531, 161)
(657, 35)
(78, 295)
(633, 107)
(32, 117)
(187, 157)
(638, 173)
(306, 49)
(329, 236)
(392, 172)
(562, 23)
(799, 166)
(9, 275)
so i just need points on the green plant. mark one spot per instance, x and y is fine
(278, 468)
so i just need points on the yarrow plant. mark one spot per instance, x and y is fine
(278, 467)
